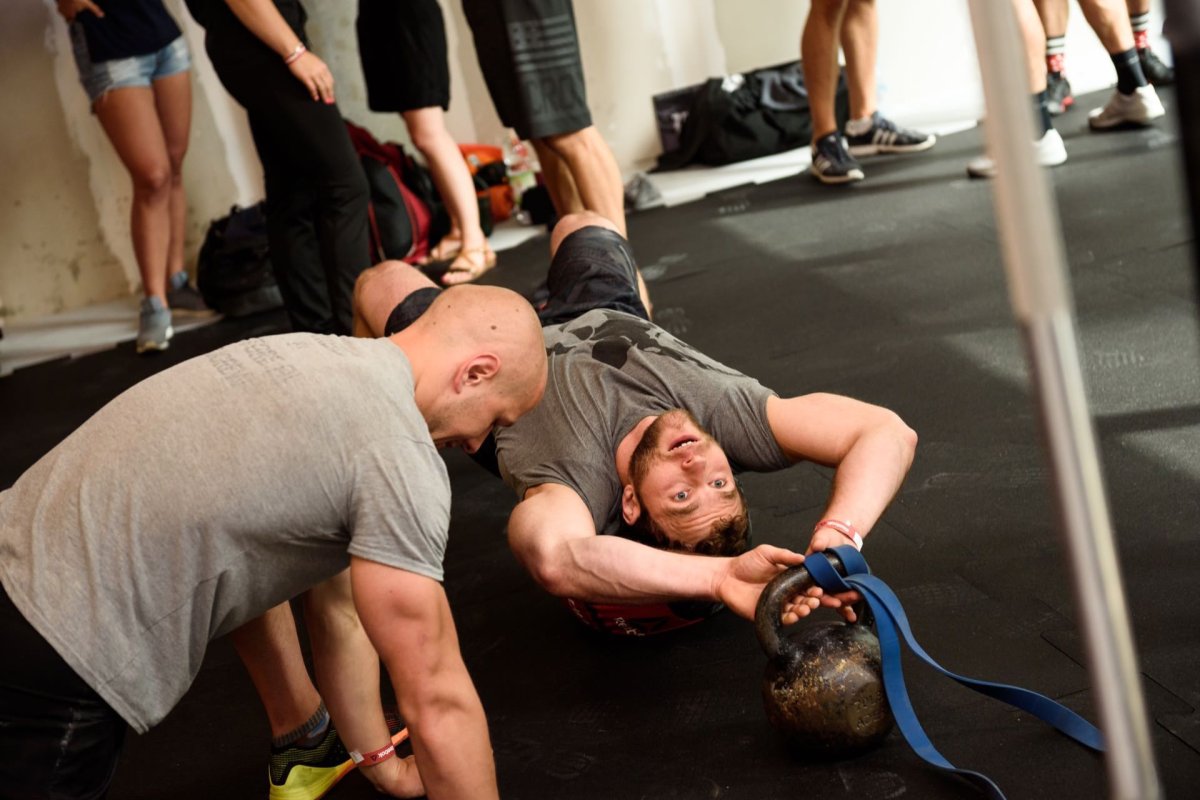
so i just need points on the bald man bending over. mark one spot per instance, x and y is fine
(291, 457)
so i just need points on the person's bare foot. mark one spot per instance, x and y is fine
(448, 247)
(469, 264)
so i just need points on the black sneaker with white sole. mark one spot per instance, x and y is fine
(885, 136)
(1158, 73)
(831, 163)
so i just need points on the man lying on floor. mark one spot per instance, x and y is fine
(626, 469)
(209, 493)
(628, 505)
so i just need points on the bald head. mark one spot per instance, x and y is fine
(478, 359)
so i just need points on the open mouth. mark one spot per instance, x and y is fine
(682, 442)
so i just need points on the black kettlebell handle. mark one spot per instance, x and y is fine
(785, 585)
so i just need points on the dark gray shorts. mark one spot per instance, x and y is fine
(593, 268)
(528, 51)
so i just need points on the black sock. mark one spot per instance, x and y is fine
(308, 733)
(1129, 71)
(1041, 113)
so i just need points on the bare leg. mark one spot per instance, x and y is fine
(427, 126)
(594, 170)
(270, 651)
(569, 224)
(379, 290)
(130, 119)
(1053, 14)
(818, 55)
(563, 194)
(860, 42)
(1110, 20)
(173, 100)
(1034, 38)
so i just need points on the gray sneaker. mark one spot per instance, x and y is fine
(154, 326)
(1139, 107)
(182, 297)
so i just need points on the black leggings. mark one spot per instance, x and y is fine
(58, 739)
(316, 191)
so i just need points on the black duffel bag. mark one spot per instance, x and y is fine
(234, 267)
(746, 116)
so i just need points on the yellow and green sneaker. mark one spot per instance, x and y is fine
(308, 773)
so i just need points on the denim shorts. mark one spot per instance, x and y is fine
(99, 77)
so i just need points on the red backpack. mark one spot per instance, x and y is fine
(399, 219)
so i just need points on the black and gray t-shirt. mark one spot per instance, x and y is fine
(608, 371)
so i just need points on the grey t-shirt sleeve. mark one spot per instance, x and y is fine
(738, 421)
(399, 511)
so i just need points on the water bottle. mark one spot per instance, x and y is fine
(522, 175)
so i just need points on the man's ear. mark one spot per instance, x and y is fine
(631, 509)
(477, 371)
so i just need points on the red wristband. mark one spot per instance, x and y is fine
(375, 756)
(844, 527)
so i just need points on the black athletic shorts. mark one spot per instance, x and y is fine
(528, 51)
(593, 268)
(402, 45)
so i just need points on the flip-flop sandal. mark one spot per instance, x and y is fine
(467, 264)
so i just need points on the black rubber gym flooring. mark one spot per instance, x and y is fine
(893, 292)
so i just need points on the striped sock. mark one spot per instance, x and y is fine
(1056, 53)
(1141, 30)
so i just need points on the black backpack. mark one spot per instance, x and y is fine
(234, 267)
(399, 219)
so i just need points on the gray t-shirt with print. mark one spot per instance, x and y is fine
(608, 371)
(205, 495)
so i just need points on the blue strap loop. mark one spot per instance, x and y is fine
(890, 623)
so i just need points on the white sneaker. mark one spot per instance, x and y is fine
(1048, 150)
(1138, 108)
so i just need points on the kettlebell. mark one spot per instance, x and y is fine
(823, 685)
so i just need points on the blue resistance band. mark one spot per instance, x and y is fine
(889, 620)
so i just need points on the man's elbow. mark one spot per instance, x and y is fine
(906, 437)
(547, 569)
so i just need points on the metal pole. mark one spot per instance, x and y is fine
(1032, 246)
(1183, 30)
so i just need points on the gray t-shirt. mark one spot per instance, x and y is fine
(608, 371)
(211, 492)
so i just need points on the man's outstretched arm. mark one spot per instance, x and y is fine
(408, 620)
(552, 534)
(870, 447)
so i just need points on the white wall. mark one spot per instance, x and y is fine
(64, 238)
